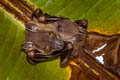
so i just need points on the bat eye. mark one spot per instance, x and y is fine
(52, 35)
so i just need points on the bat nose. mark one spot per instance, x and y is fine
(59, 45)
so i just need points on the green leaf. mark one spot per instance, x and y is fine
(103, 16)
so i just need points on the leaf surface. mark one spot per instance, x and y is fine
(103, 17)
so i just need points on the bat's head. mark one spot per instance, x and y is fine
(41, 39)
(72, 31)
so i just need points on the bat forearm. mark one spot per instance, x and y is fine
(90, 66)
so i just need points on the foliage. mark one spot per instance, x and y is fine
(103, 17)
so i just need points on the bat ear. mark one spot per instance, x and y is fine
(31, 27)
(37, 13)
(82, 23)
